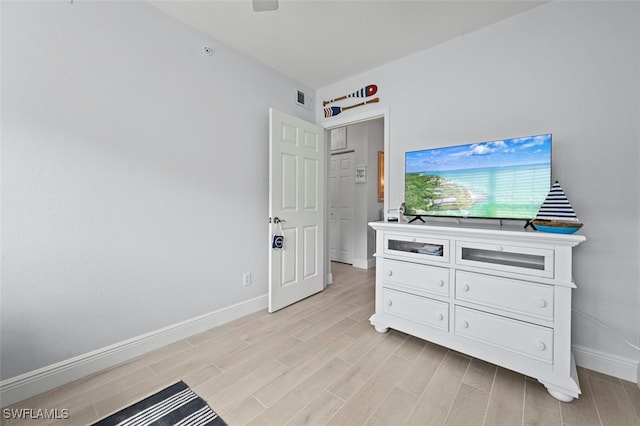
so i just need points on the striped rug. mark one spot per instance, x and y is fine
(176, 405)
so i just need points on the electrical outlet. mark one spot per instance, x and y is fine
(246, 278)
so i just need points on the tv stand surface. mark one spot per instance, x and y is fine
(501, 295)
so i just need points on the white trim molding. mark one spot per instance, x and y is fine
(43, 379)
(606, 363)
(364, 263)
(365, 116)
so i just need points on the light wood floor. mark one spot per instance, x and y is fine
(320, 362)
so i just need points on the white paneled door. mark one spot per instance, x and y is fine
(341, 189)
(296, 209)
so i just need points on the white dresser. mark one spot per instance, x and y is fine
(498, 294)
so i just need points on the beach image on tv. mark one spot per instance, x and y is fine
(506, 179)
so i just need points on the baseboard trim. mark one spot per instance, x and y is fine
(50, 377)
(364, 263)
(606, 363)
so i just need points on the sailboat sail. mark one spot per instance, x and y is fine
(556, 207)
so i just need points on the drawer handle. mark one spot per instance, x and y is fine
(465, 287)
(499, 248)
(440, 317)
(389, 302)
(389, 272)
(542, 303)
(413, 240)
(441, 283)
(465, 324)
(541, 346)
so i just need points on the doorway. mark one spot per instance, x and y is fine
(354, 200)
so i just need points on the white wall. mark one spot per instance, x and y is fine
(134, 176)
(569, 68)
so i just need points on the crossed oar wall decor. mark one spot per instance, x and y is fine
(365, 92)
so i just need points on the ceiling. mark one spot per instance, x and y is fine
(319, 42)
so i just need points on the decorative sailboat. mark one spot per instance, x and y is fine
(556, 214)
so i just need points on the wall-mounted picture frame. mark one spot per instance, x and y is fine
(361, 174)
(380, 176)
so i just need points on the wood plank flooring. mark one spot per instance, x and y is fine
(320, 362)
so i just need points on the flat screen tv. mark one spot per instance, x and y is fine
(502, 179)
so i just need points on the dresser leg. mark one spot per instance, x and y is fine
(560, 396)
(381, 329)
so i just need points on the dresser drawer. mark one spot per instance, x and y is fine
(413, 276)
(418, 248)
(496, 256)
(417, 309)
(521, 297)
(511, 335)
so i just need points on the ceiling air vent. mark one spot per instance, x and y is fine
(303, 100)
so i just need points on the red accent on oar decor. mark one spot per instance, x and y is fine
(371, 89)
(331, 111)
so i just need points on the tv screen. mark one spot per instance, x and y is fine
(502, 179)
